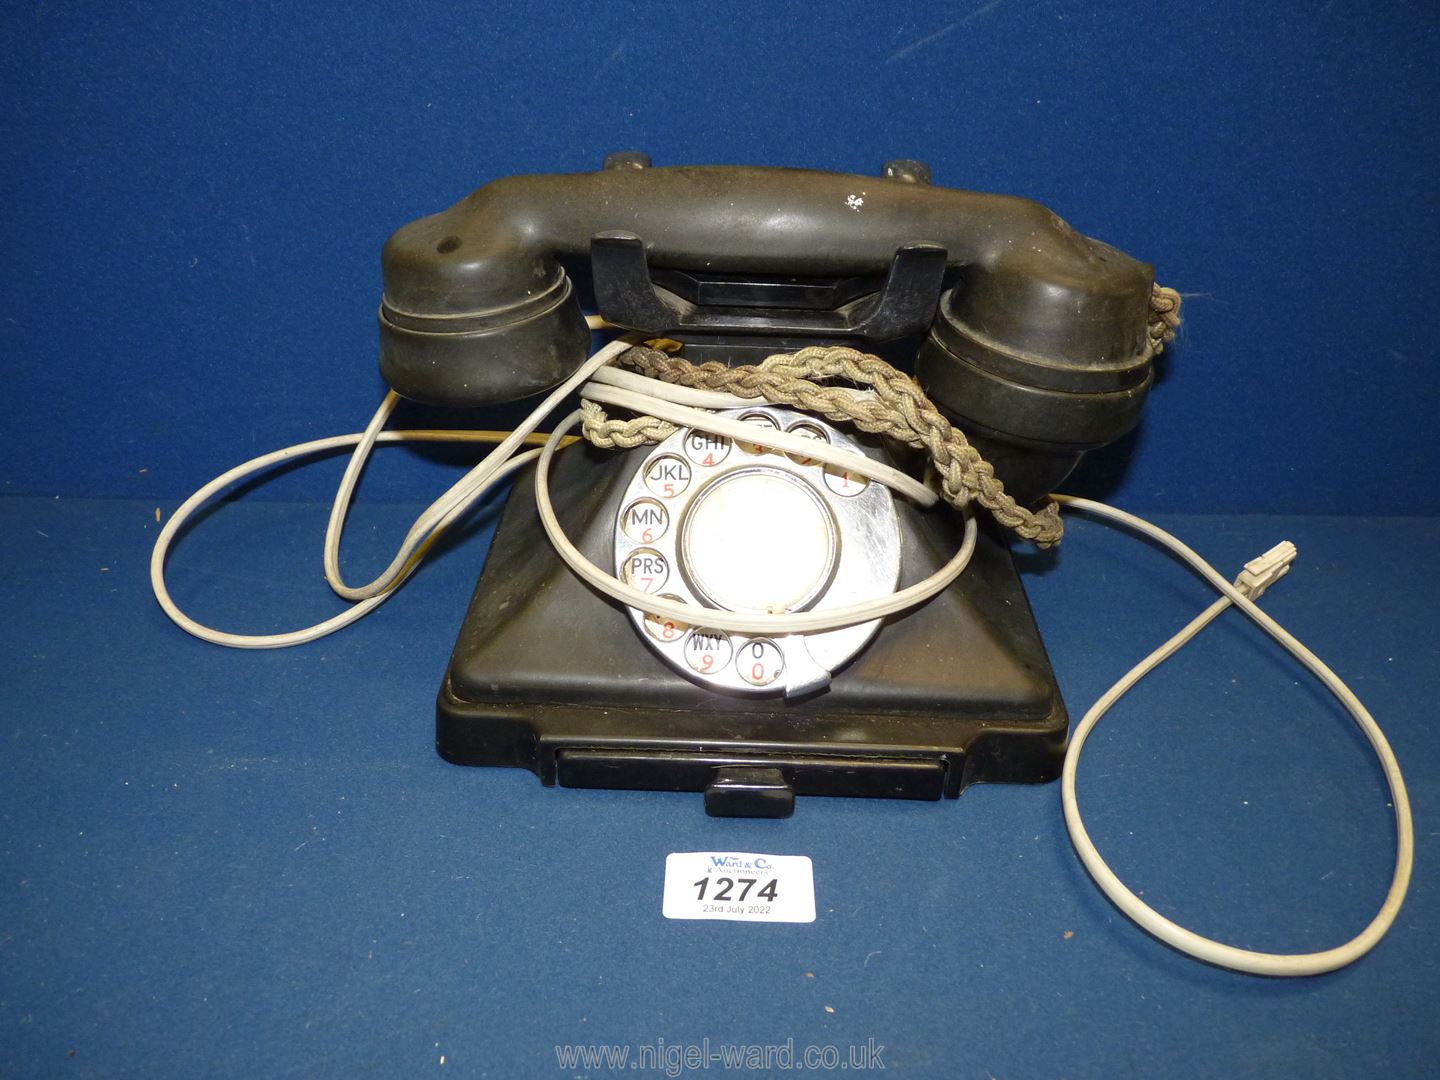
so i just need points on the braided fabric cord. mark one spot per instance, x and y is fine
(898, 409)
(611, 434)
(1164, 318)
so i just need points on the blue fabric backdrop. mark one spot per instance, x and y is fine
(196, 195)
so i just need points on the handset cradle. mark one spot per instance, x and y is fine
(626, 290)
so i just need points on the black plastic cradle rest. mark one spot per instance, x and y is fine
(1035, 345)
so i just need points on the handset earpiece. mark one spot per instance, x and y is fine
(1039, 366)
(469, 318)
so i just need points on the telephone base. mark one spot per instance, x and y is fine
(550, 676)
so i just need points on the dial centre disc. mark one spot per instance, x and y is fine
(758, 540)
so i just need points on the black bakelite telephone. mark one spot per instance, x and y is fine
(849, 640)
(1034, 343)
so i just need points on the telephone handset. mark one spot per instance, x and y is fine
(1038, 341)
(804, 619)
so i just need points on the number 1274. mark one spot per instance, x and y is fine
(724, 887)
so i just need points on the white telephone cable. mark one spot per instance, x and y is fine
(1259, 574)
(685, 395)
(654, 402)
(473, 485)
(297, 637)
(497, 465)
(690, 395)
(461, 494)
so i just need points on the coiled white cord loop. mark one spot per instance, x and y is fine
(1150, 920)
(615, 387)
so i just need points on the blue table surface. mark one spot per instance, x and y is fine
(240, 863)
